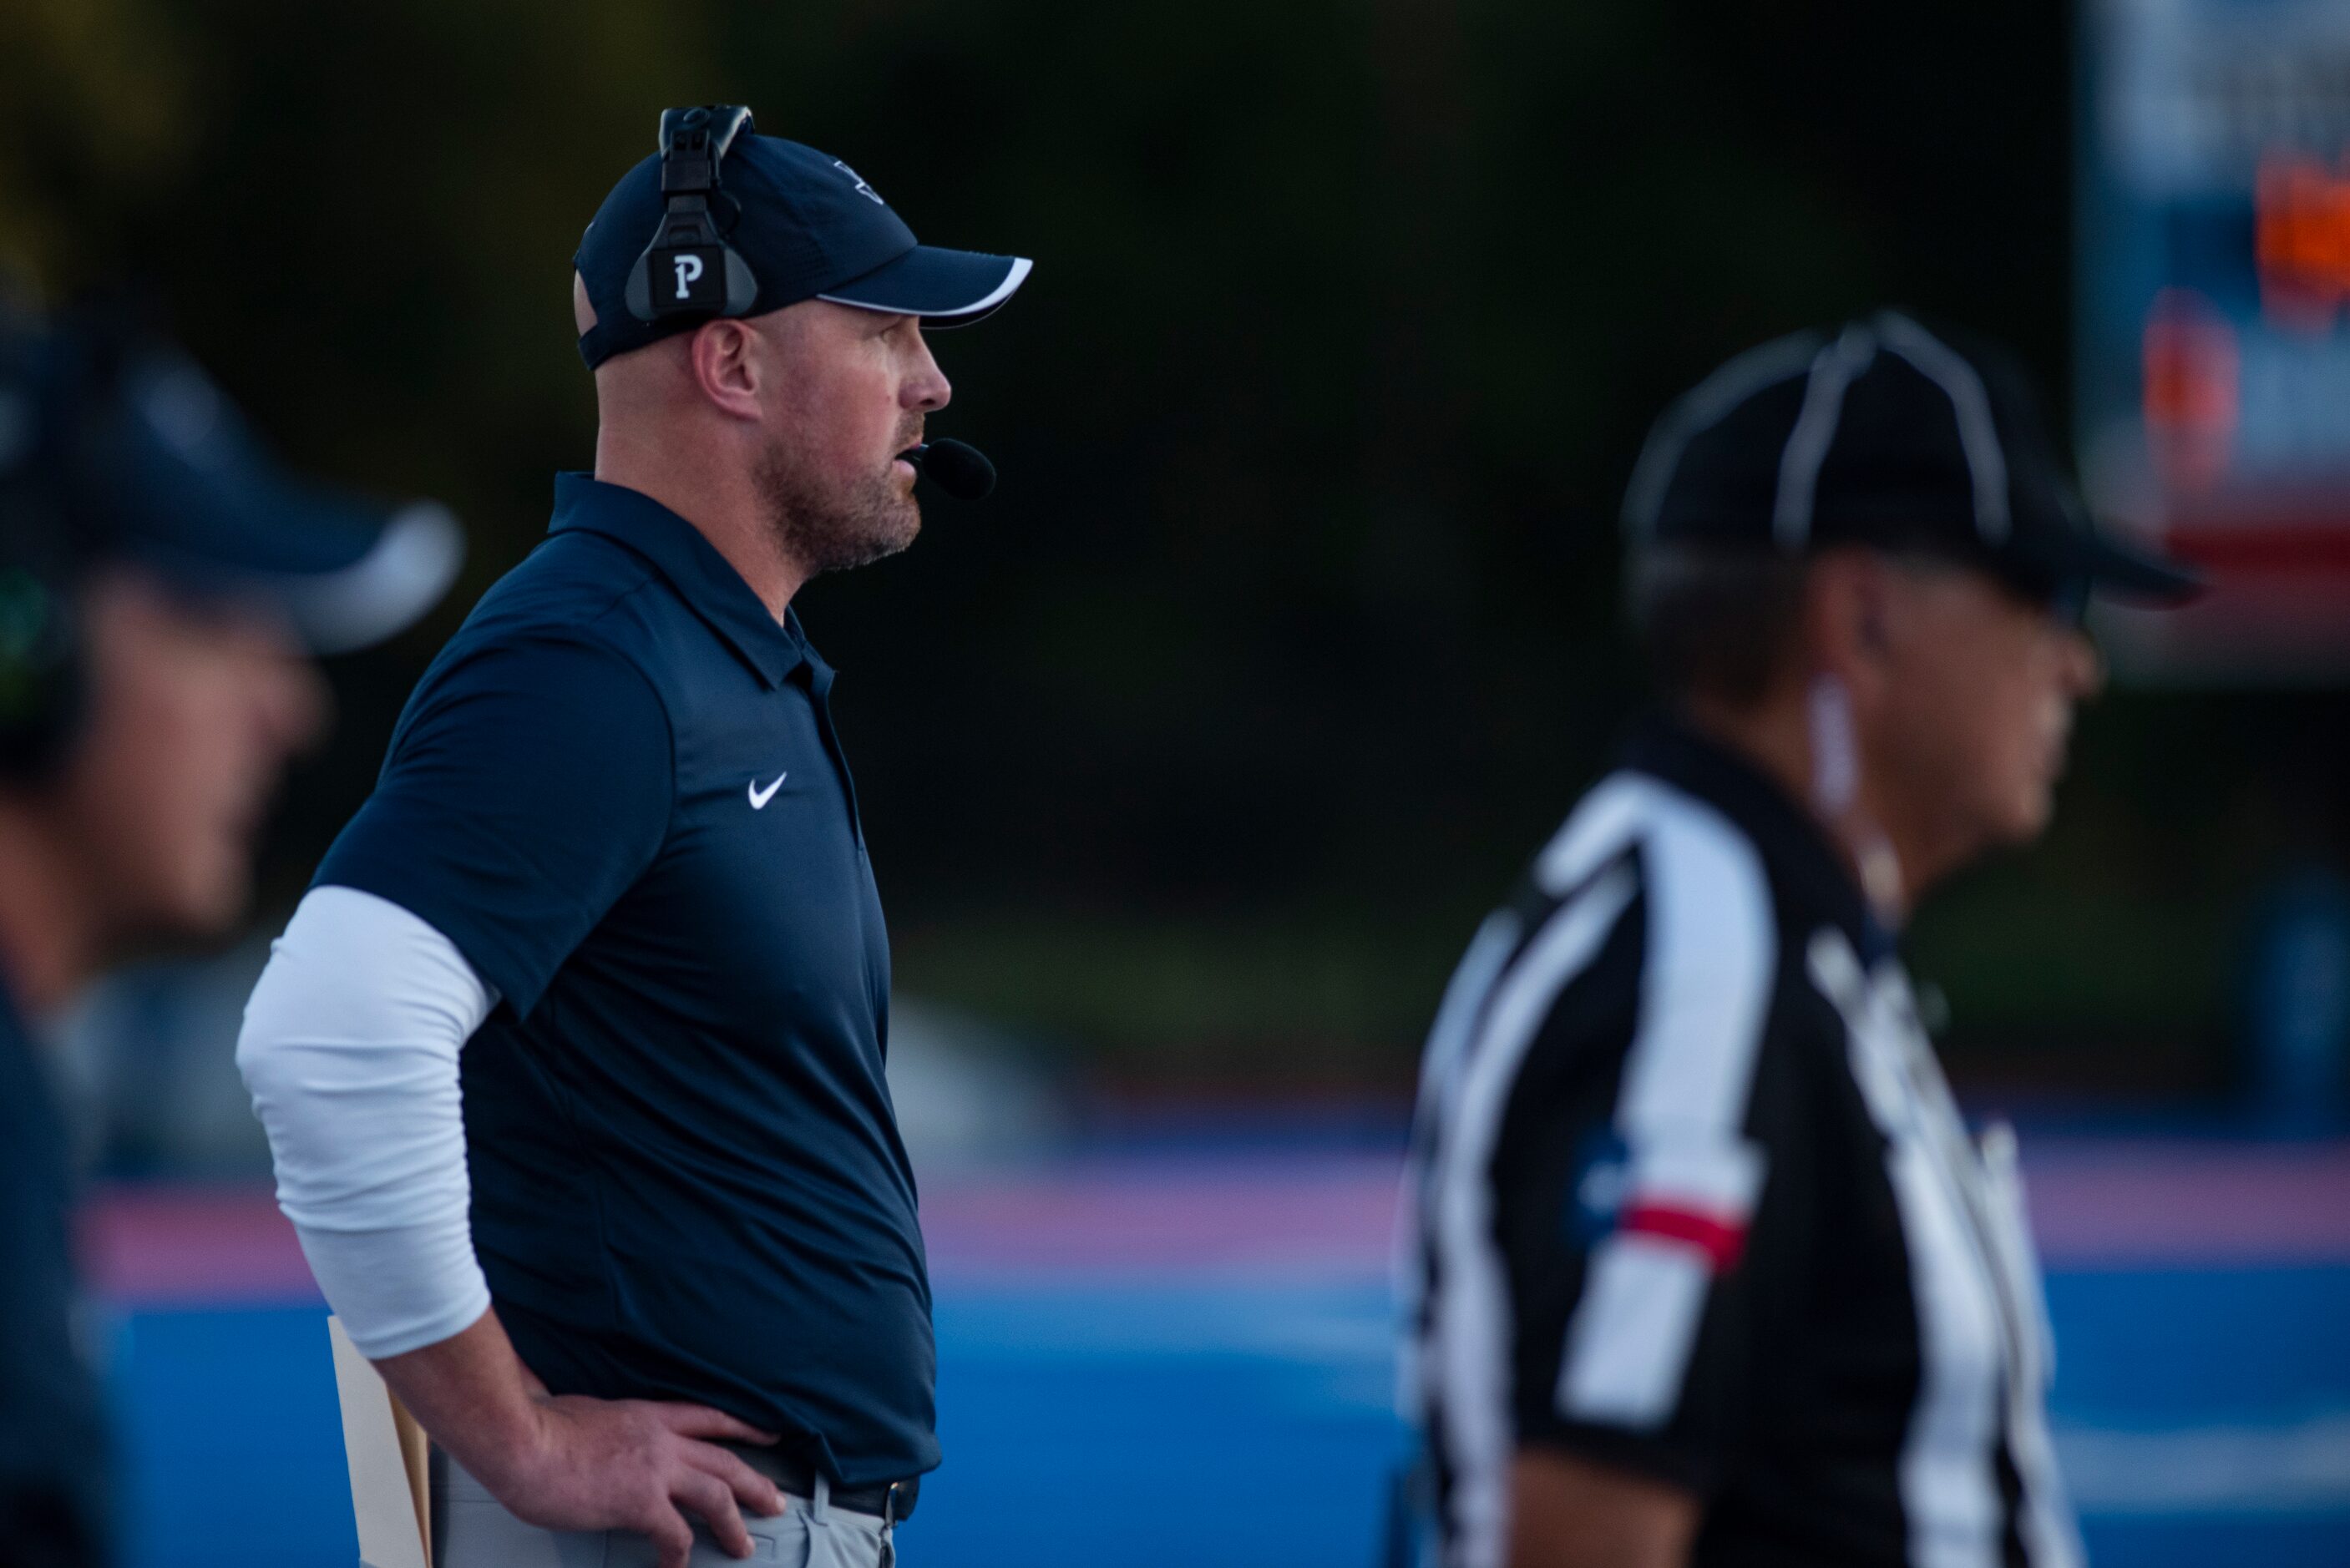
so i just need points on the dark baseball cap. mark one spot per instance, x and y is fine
(809, 227)
(1883, 433)
(115, 447)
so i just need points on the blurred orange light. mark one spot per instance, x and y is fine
(2300, 241)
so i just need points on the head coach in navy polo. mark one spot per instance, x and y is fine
(1708, 1268)
(162, 580)
(615, 855)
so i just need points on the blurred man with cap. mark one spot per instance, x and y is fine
(656, 1267)
(160, 583)
(1704, 1266)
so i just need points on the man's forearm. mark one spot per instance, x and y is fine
(1568, 1512)
(577, 1463)
(475, 1396)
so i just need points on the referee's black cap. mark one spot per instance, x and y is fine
(116, 447)
(1883, 433)
(809, 227)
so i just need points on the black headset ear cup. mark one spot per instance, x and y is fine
(42, 686)
(42, 689)
(688, 268)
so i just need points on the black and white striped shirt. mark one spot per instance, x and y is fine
(1690, 1196)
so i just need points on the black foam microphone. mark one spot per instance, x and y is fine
(958, 468)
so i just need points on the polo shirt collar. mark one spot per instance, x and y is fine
(1810, 874)
(704, 578)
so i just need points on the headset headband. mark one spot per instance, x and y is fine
(689, 269)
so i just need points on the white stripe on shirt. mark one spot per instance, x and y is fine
(1471, 1326)
(1705, 994)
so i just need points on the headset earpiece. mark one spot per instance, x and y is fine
(47, 395)
(41, 686)
(689, 269)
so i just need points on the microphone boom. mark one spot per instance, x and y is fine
(957, 467)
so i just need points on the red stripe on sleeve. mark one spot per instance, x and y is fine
(1720, 1240)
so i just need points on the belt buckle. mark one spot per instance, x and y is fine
(889, 1505)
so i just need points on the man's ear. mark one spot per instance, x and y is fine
(583, 311)
(727, 360)
(1847, 618)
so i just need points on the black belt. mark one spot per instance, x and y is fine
(891, 1500)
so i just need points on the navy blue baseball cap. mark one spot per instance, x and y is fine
(116, 446)
(807, 225)
(1882, 433)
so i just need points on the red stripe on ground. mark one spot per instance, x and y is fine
(190, 1246)
(2095, 1204)
(2158, 1203)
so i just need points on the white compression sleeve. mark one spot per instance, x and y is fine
(350, 1047)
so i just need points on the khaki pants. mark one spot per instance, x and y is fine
(471, 1529)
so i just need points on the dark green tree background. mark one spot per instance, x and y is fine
(1292, 628)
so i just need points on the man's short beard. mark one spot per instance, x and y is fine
(834, 529)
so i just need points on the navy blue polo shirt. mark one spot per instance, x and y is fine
(54, 1455)
(618, 790)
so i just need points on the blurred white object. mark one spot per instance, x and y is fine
(966, 1092)
(146, 1067)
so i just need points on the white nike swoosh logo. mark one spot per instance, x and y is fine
(760, 797)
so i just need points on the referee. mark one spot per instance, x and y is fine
(162, 581)
(657, 1269)
(1708, 1268)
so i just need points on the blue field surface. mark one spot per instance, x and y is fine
(1145, 1421)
